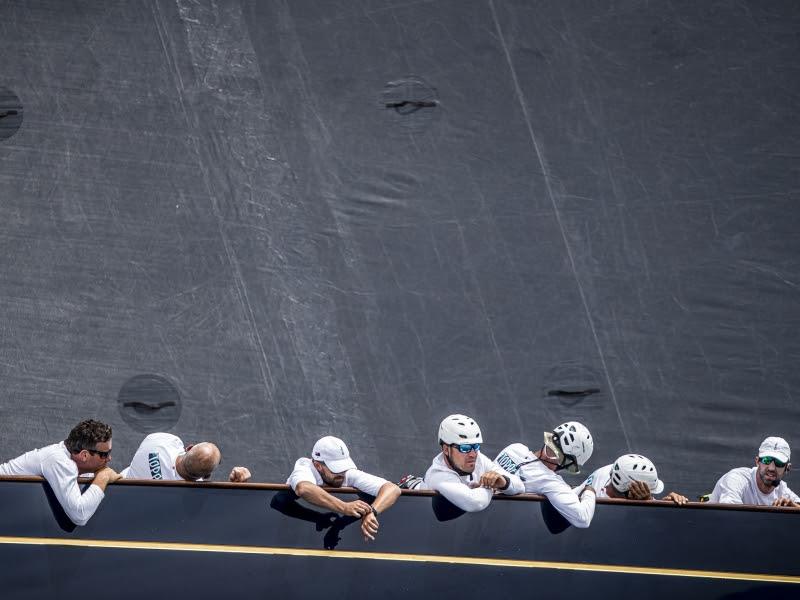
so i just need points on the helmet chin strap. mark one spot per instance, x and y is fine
(568, 462)
(546, 459)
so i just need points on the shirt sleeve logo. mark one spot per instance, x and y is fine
(154, 462)
(507, 463)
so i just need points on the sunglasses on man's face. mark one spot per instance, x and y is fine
(102, 454)
(466, 448)
(768, 460)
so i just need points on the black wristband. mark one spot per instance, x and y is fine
(508, 483)
(374, 512)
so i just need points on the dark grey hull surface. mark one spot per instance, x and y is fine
(256, 541)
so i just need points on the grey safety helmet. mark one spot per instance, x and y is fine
(635, 467)
(459, 429)
(572, 444)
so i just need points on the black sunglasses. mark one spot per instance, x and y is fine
(765, 460)
(100, 453)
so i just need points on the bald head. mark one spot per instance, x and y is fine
(200, 461)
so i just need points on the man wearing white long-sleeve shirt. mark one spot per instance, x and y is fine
(762, 484)
(87, 449)
(461, 473)
(630, 477)
(569, 446)
(331, 464)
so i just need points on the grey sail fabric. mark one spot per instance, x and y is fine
(355, 218)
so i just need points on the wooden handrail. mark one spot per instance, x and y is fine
(428, 493)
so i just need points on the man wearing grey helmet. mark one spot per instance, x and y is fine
(567, 447)
(460, 473)
(630, 477)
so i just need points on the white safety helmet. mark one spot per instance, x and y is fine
(459, 429)
(635, 467)
(572, 444)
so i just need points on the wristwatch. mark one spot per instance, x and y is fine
(374, 512)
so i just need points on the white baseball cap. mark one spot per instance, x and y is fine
(334, 453)
(776, 447)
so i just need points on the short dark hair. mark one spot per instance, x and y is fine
(86, 435)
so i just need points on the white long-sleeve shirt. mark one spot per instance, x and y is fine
(738, 486)
(599, 480)
(456, 488)
(518, 459)
(304, 471)
(155, 458)
(55, 465)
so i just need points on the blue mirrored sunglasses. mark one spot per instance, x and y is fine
(466, 448)
(766, 460)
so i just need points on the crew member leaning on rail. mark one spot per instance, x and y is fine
(568, 447)
(162, 456)
(761, 484)
(630, 477)
(460, 472)
(87, 449)
(331, 464)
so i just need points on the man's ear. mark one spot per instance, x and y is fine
(81, 457)
(788, 467)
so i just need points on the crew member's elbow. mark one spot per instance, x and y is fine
(303, 489)
(476, 505)
(79, 520)
(391, 490)
(582, 523)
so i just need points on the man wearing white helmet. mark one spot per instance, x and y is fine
(331, 465)
(568, 447)
(461, 473)
(630, 477)
(761, 484)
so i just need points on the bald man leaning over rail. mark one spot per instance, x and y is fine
(162, 456)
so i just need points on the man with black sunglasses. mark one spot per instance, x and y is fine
(87, 449)
(461, 473)
(760, 485)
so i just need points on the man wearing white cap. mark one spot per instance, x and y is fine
(762, 484)
(630, 477)
(331, 465)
